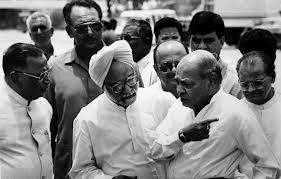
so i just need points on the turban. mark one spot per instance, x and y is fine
(102, 60)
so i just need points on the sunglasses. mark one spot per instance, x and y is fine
(257, 84)
(168, 66)
(41, 27)
(119, 86)
(42, 77)
(129, 37)
(83, 28)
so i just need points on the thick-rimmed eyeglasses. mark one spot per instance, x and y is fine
(41, 77)
(257, 84)
(129, 37)
(119, 86)
(83, 28)
(168, 66)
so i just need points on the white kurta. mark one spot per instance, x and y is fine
(148, 74)
(109, 140)
(269, 116)
(236, 133)
(229, 82)
(25, 139)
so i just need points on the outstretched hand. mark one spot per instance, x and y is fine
(198, 131)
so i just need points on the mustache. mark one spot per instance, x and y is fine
(171, 74)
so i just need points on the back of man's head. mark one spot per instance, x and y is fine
(258, 40)
(144, 29)
(16, 56)
(36, 15)
(205, 22)
(166, 22)
(84, 3)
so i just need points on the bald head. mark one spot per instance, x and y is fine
(170, 48)
(201, 62)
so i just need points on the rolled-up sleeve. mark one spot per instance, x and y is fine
(84, 163)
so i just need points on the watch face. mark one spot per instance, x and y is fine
(182, 137)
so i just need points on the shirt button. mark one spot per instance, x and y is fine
(43, 177)
(33, 132)
(40, 154)
(28, 108)
(46, 132)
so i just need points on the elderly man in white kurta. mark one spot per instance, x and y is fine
(256, 76)
(109, 139)
(235, 134)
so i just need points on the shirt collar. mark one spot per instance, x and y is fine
(144, 61)
(219, 95)
(14, 95)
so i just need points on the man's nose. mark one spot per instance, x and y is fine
(89, 30)
(251, 88)
(202, 45)
(180, 89)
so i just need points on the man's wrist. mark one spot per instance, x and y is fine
(182, 137)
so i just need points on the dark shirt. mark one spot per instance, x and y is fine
(71, 89)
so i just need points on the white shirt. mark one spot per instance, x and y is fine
(146, 69)
(236, 133)
(109, 140)
(25, 141)
(269, 116)
(229, 82)
(156, 86)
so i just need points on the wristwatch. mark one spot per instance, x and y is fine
(182, 137)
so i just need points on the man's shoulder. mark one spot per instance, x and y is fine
(152, 94)
(60, 59)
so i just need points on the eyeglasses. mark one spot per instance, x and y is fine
(83, 28)
(129, 37)
(257, 84)
(41, 27)
(119, 86)
(42, 77)
(168, 66)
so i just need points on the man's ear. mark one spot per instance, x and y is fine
(213, 81)
(222, 40)
(52, 31)
(69, 31)
(14, 77)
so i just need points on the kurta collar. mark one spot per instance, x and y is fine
(215, 98)
(14, 95)
(143, 62)
(266, 105)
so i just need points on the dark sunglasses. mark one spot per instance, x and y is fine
(129, 37)
(83, 28)
(168, 66)
(41, 27)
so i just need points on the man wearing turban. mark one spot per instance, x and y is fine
(108, 134)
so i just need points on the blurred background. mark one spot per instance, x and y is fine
(239, 16)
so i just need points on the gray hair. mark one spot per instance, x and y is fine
(36, 15)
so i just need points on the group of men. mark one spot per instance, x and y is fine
(130, 110)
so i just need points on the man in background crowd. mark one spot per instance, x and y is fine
(166, 57)
(206, 31)
(167, 28)
(40, 29)
(256, 72)
(71, 87)
(139, 35)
